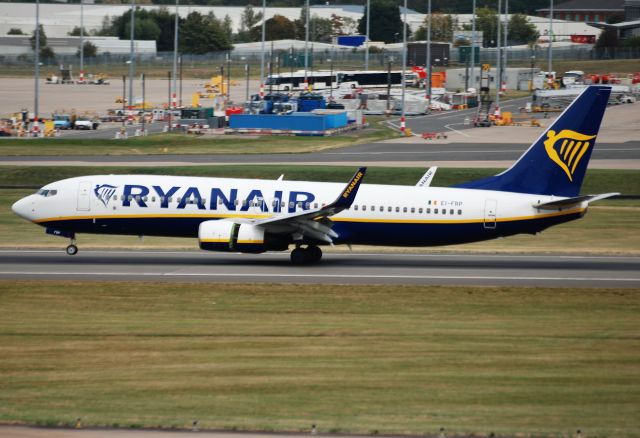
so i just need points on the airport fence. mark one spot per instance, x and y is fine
(286, 60)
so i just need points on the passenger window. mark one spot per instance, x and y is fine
(291, 204)
(53, 192)
(381, 208)
(459, 212)
(404, 210)
(145, 199)
(364, 208)
(355, 207)
(308, 205)
(282, 204)
(397, 209)
(178, 199)
(435, 211)
(115, 197)
(153, 199)
(170, 199)
(389, 209)
(420, 210)
(315, 205)
(428, 211)
(130, 198)
(413, 209)
(274, 203)
(236, 202)
(451, 211)
(429, 202)
(444, 211)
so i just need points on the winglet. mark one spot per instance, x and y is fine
(348, 195)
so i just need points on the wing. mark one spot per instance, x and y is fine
(314, 223)
(426, 179)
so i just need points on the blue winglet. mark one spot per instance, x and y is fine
(348, 195)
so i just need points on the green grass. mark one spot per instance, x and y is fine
(596, 181)
(164, 144)
(357, 359)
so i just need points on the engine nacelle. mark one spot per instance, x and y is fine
(224, 235)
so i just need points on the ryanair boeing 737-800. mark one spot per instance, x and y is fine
(241, 215)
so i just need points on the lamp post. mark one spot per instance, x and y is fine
(124, 98)
(246, 73)
(180, 64)
(550, 66)
(404, 66)
(389, 61)
(366, 49)
(428, 59)
(499, 60)
(82, 39)
(144, 106)
(131, 53)
(37, 66)
(175, 58)
(306, 44)
(264, 31)
(473, 46)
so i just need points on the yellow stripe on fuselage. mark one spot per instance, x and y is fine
(334, 219)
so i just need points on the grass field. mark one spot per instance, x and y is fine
(364, 359)
(163, 144)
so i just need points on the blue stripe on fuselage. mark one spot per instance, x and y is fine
(365, 233)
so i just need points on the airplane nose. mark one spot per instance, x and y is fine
(23, 208)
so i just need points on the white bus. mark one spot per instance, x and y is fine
(323, 80)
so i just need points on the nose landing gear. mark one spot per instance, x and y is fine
(306, 256)
(72, 249)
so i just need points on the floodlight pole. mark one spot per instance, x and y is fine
(404, 67)
(175, 59)
(473, 46)
(499, 47)
(131, 53)
(264, 33)
(550, 66)
(82, 38)
(428, 59)
(306, 44)
(37, 66)
(366, 49)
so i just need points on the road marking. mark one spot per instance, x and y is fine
(455, 130)
(316, 276)
(107, 252)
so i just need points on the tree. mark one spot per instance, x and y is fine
(442, 28)
(76, 31)
(249, 18)
(90, 50)
(43, 38)
(486, 22)
(277, 27)
(203, 34)
(607, 39)
(521, 31)
(385, 23)
(321, 29)
(15, 31)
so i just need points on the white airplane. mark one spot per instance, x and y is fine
(540, 190)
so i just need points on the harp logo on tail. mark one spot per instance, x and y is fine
(104, 193)
(567, 148)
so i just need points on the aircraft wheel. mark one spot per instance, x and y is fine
(314, 253)
(72, 250)
(299, 256)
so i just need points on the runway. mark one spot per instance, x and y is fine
(335, 268)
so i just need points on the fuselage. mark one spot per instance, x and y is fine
(380, 214)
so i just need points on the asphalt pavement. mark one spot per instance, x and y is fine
(335, 268)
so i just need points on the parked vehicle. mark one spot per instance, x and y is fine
(62, 121)
(86, 123)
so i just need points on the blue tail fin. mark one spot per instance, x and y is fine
(556, 162)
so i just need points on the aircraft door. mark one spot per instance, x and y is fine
(84, 196)
(490, 208)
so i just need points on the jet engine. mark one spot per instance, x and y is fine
(228, 236)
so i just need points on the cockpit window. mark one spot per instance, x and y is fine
(46, 193)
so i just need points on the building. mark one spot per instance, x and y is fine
(15, 45)
(596, 11)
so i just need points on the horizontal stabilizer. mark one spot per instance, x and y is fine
(568, 202)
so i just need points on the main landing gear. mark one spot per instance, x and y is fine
(306, 256)
(72, 249)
